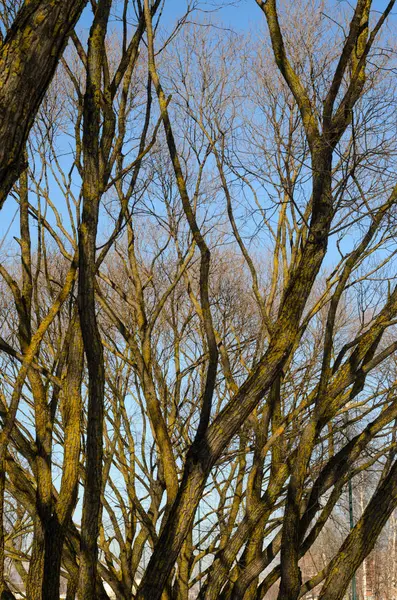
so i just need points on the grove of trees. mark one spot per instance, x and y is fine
(198, 310)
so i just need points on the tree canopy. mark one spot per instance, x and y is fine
(198, 310)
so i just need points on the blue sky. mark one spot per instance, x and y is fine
(240, 14)
(237, 14)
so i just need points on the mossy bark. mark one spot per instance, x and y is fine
(28, 59)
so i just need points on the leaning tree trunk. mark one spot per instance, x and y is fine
(28, 59)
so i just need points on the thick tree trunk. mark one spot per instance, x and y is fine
(2, 531)
(36, 564)
(28, 59)
(92, 191)
(95, 411)
(71, 405)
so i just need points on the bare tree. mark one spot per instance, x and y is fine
(29, 55)
(218, 242)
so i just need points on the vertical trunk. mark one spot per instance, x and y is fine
(71, 590)
(393, 556)
(95, 411)
(44, 498)
(255, 542)
(54, 539)
(30, 347)
(184, 562)
(42, 415)
(2, 530)
(36, 564)
(364, 579)
(291, 579)
(253, 551)
(92, 191)
(71, 404)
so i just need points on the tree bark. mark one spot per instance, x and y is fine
(28, 59)
(92, 191)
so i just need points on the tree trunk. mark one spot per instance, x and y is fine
(92, 191)
(28, 59)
